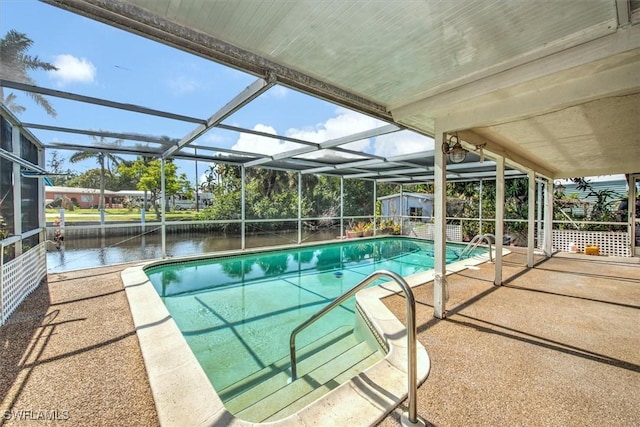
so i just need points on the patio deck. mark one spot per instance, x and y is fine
(558, 344)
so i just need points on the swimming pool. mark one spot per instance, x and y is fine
(237, 313)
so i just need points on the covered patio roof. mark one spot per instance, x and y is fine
(552, 87)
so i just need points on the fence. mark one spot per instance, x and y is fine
(426, 231)
(19, 277)
(610, 243)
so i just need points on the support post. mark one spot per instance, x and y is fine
(375, 206)
(299, 207)
(480, 207)
(539, 217)
(548, 218)
(439, 237)
(17, 190)
(195, 150)
(341, 207)
(497, 280)
(163, 207)
(243, 211)
(531, 195)
(401, 208)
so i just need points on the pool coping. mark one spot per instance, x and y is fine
(184, 395)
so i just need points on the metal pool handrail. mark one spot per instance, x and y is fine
(411, 332)
(474, 244)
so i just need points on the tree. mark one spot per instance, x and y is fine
(106, 161)
(91, 179)
(55, 166)
(603, 207)
(15, 65)
(211, 178)
(150, 178)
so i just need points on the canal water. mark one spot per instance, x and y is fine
(79, 253)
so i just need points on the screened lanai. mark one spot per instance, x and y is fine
(442, 91)
(553, 94)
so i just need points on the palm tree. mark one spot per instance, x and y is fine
(15, 64)
(107, 162)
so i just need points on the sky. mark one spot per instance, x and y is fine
(94, 59)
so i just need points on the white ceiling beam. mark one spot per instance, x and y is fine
(412, 156)
(624, 40)
(612, 82)
(265, 134)
(450, 177)
(630, 166)
(96, 101)
(130, 17)
(141, 151)
(492, 148)
(358, 163)
(243, 98)
(382, 130)
(623, 7)
(116, 135)
(22, 162)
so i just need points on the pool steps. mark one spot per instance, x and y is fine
(324, 365)
(282, 365)
(184, 396)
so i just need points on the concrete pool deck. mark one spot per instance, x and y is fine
(558, 344)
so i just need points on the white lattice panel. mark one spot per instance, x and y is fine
(20, 277)
(426, 231)
(609, 243)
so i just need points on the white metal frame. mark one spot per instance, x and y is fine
(634, 220)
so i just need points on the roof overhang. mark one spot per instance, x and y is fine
(553, 87)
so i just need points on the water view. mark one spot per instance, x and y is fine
(79, 253)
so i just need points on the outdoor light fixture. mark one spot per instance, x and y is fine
(455, 151)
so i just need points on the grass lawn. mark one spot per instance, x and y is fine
(123, 214)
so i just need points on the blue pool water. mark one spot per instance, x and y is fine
(237, 312)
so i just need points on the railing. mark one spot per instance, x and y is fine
(411, 332)
(473, 244)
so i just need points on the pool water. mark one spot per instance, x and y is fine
(237, 313)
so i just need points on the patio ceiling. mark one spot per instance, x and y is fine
(552, 86)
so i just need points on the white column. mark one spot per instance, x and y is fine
(531, 217)
(299, 207)
(17, 190)
(439, 235)
(499, 219)
(243, 213)
(375, 205)
(548, 218)
(42, 215)
(401, 208)
(341, 207)
(163, 207)
(480, 208)
(539, 217)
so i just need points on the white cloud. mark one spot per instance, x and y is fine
(403, 142)
(71, 69)
(346, 122)
(261, 144)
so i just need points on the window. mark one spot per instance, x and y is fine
(415, 212)
(30, 196)
(6, 181)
